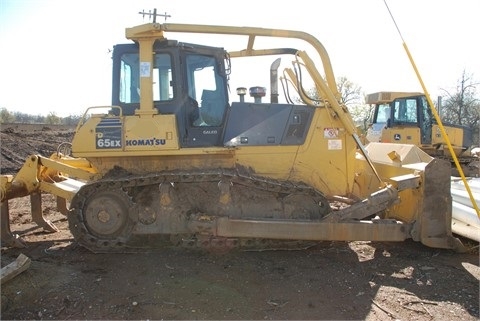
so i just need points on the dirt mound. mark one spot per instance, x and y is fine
(19, 141)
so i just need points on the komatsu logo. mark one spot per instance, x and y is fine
(146, 142)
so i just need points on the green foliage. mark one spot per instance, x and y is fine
(6, 116)
(52, 119)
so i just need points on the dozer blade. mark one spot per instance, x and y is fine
(429, 206)
(435, 227)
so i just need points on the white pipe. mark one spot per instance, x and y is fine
(466, 230)
(473, 183)
(465, 214)
(465, 221)
(463, 197)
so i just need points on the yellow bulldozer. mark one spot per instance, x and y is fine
(406, 118)
(176, 160)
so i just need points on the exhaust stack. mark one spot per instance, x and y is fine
(274, 80)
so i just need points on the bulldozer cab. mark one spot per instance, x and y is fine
(188, 81)
(413, 112)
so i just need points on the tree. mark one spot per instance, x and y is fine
(462, 107)
(352, 97)
(52, 119)
(23, 118)
(351, 93)
(71, 120)
(6, 116)
(362, 114)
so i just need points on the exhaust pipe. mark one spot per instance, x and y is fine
(274, 80)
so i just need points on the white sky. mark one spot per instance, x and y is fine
(55, 54)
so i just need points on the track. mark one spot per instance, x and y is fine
(133, 213)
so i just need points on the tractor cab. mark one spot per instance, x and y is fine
(400, 117)
(407, 118)
(185, 80)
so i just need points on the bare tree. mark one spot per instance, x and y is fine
(462, 107)
(352, 97)
(459, 106)
(350, 93)
(362, 114)
(71, 120)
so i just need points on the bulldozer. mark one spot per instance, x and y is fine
(406, 118)
(176, 161)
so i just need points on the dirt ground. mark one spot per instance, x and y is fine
(328, 281)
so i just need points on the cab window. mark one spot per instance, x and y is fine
(383, 113)
(130, 78)
(405, 111)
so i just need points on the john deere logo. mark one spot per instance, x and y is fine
(397, 137)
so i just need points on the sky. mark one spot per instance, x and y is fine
(55, 55)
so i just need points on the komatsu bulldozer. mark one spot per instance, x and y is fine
(176, 159)
(406, 118)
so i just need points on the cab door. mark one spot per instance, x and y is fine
(207, 99)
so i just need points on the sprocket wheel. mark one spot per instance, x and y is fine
(106, 214)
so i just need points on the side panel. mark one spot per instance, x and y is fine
(151, 133)
(305, 144)
(326, 160)
(401, 135)
(267, 124)
(455, 135)
(109, 136)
